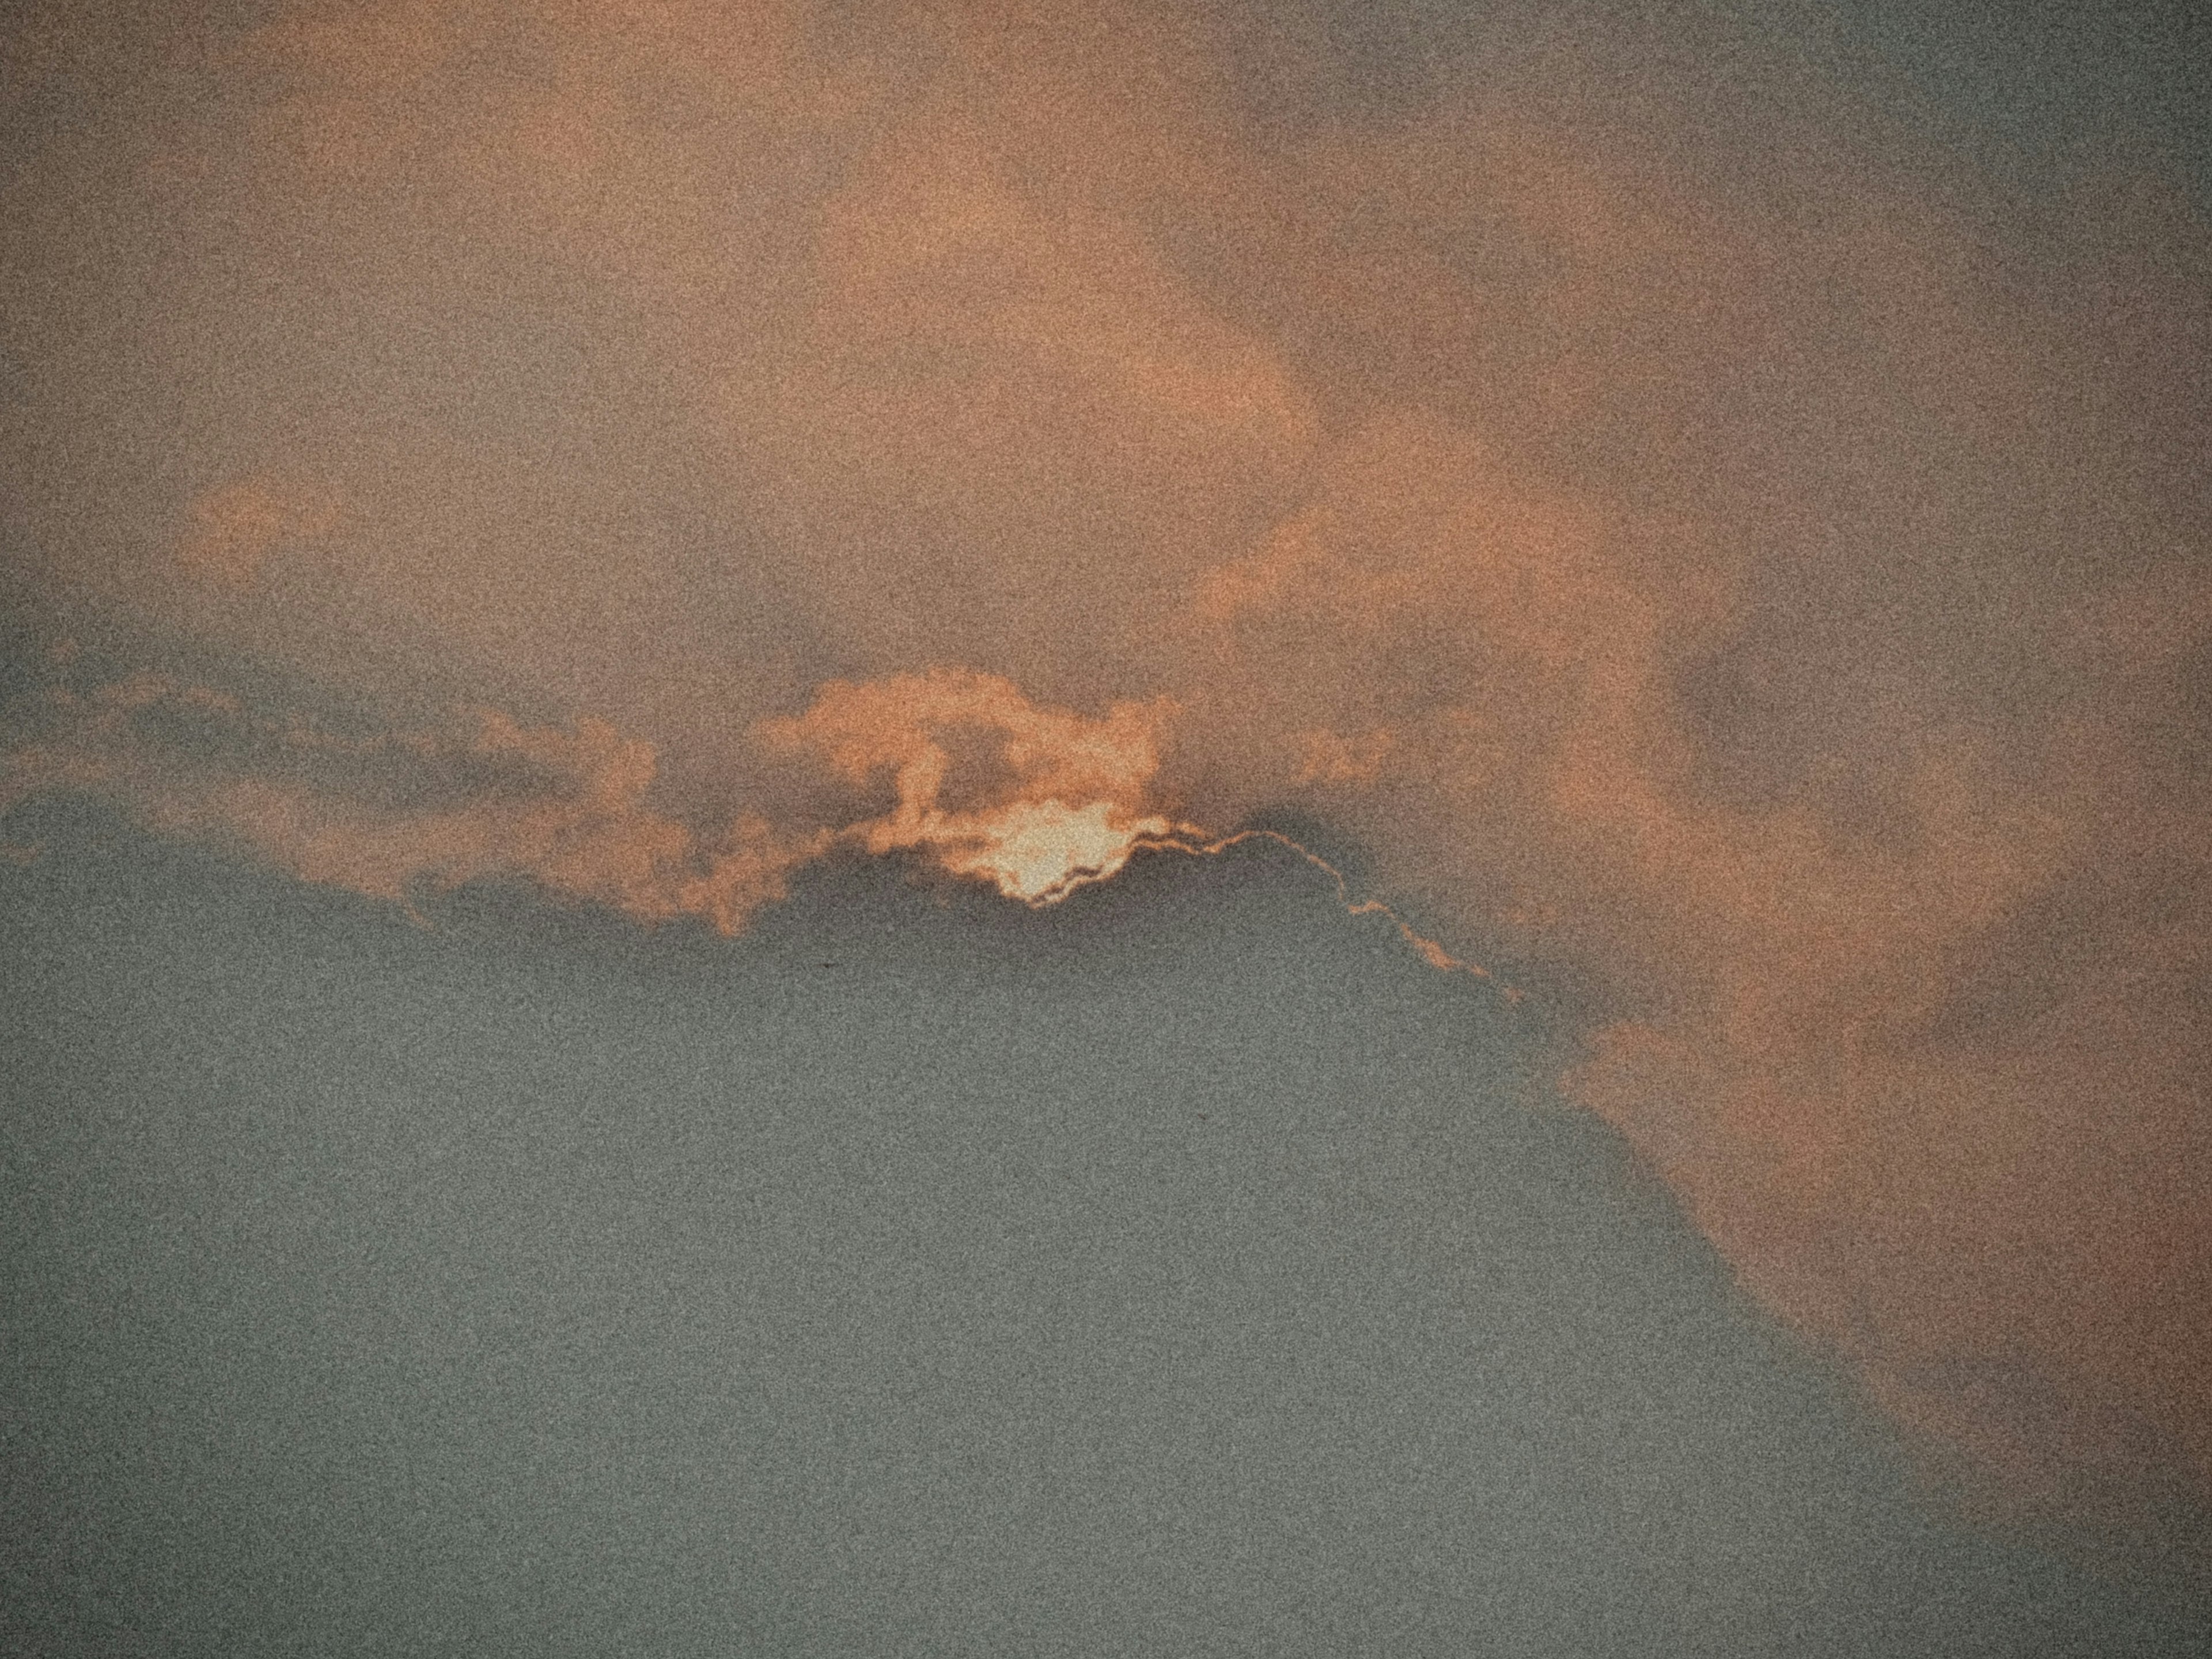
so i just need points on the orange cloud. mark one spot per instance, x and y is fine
(235, 528)
(1059, 801)
(567, 810)
(1711, 549)
(1040, 802)
(1328, 758)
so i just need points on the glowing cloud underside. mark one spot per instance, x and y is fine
(1064, 798)
(1068, 801)
(1073, 806)
(1039, 852)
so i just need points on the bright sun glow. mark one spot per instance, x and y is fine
(1039, 852)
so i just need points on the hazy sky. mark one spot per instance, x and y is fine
(1702, 509)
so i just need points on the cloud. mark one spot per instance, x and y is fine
(1716, 551)
(1034, 801)
(399, 815)
(1060, 801)
(235, 528)
(1329, 758)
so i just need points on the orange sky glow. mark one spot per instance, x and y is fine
(1735, 569)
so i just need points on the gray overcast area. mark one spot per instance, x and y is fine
(1185, 1271)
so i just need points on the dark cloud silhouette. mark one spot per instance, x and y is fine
(1181, 1269)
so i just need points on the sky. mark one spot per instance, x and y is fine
(869, 828)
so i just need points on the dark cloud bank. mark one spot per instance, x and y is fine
(1185, 1271)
